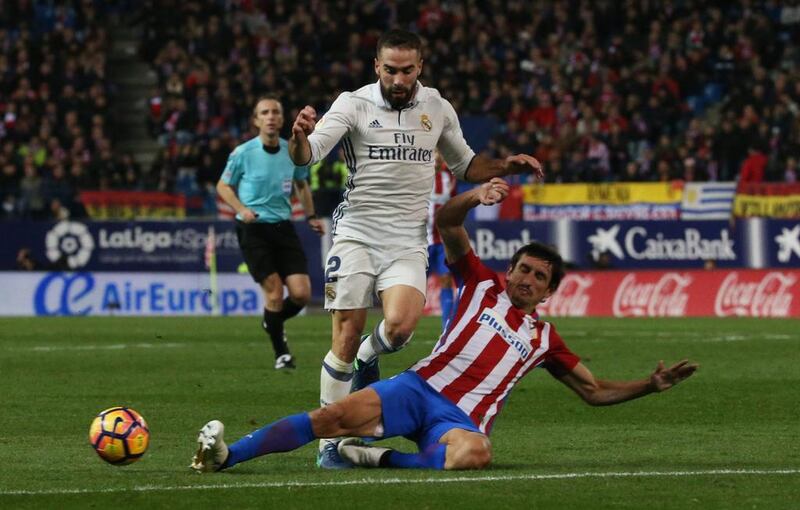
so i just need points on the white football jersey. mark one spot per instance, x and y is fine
(390, 155)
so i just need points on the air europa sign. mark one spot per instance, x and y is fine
(86, 293)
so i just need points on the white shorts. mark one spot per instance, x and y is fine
(355, 273)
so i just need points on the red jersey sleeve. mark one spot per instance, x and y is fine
(470, 269)
(559, 360)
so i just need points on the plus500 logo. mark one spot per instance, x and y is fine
(81, 294)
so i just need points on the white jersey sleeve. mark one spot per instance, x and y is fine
(336, 123)
(455, 151)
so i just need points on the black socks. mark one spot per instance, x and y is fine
(273, 324)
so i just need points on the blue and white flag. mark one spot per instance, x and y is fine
(707, 200)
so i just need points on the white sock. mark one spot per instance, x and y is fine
(372, 346)
(334, 382)
(377, 343)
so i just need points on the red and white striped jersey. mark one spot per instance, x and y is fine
(444, 188)
(489, 346)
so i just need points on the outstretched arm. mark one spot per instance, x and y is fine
(481, 168)
(299, 148)
(450, 218)
(598, 392)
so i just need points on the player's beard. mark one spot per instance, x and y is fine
(398, 101)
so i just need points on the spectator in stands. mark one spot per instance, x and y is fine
(32, 199)
(753, 167)
(790, 170)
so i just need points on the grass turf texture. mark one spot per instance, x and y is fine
(739, 412)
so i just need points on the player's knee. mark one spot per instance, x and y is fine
(274, 303)
(473, 453)
(301, 297)
(398, 332)
(479, 452)
(273, 292)
(349, 332)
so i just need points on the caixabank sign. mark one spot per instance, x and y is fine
(748, 243)
(664, 244)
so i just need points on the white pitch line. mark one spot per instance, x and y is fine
(398, 481)
(110, 347)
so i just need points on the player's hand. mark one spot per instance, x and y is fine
(305, 122)
(248, 216)
(493, 192)
(665, 378)
(317, 225)
(522, 163)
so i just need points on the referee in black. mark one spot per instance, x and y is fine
(258, 181)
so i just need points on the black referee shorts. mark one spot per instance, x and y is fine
(271, 248)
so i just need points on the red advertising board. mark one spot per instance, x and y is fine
(692, 293)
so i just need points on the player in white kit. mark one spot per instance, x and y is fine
(389, 131)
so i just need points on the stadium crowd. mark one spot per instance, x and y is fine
(598, 91)
(57, 129)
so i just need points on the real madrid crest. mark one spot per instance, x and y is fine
(427, 125)
(330, 292)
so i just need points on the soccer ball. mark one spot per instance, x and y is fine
(119, 435)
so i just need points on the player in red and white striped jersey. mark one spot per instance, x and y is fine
(448, 401)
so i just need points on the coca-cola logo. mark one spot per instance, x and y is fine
(571, 298)
(663, 298)
(769, 297)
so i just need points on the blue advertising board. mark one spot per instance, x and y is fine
(150, 246)
(782, 238)
(179, 246)
(496, 241)
(662, 244)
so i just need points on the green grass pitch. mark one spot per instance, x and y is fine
(727, 438)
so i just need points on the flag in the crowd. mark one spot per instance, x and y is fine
(707, 200)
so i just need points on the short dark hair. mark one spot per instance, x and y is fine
(397, 38)
(548, 254)
(266, 97)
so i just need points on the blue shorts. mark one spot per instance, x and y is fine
(414, 410)
(436, 260)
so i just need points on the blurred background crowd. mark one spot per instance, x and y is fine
(599, 91)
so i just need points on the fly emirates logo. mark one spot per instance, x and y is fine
(495, 321)
(403, 149)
